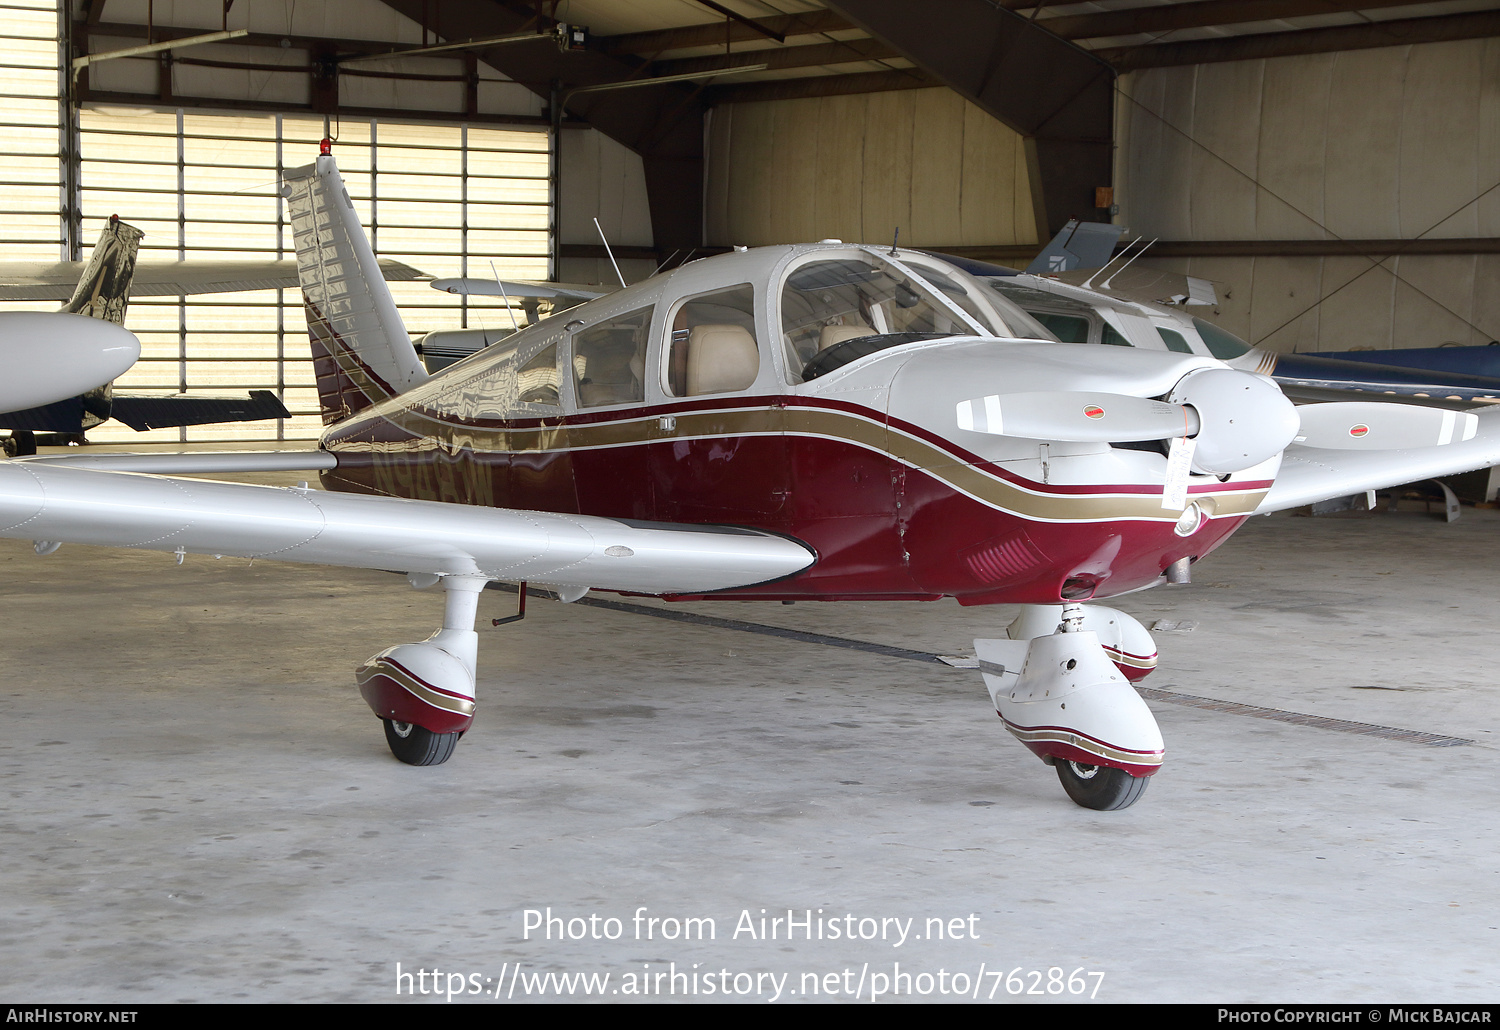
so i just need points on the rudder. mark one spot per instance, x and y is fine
(361, 351)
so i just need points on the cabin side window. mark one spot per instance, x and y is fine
(609, 358)
(537, 381)
(713, 348)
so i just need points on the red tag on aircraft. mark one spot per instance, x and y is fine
(1093, 411)
(1359, 431)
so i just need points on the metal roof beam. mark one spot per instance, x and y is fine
(773, 58)
(1441, 29)
(821, 86)
(716, 33)
(1201, 14)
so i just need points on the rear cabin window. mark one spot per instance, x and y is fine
(1174, 340)
(1067, 328)
(713, 347)
(609, 359)
(537, 381)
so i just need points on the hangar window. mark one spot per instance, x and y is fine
(30, 117)
(446, 200)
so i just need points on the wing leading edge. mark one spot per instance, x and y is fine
(1311, 474)
(55, 504)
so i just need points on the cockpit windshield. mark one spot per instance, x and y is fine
(996, 313)
(828, 303)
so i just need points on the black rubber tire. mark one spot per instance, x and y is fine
(417, 746)
(20, 444)
(1100, 787)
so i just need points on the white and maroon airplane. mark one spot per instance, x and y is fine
(821, 421)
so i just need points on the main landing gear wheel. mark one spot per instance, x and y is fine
(417, 746)
(1100, 787)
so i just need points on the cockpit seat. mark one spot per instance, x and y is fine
(721, 359)
(832, 334)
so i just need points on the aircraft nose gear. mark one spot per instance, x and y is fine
(1064, 698)
(425, 692)
(1125, 641)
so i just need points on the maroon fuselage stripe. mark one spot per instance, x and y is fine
(881, 528)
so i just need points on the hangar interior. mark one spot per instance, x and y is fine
(1332, 166)
(1329, 166)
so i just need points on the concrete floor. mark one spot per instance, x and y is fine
(197, 805)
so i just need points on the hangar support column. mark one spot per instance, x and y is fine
(1055, 94)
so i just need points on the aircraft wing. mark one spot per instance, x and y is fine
(30, 280)
(1147, 285)
(192, 463)
(476, 287)
(142, 412)
(1311, 474)
(49, 504)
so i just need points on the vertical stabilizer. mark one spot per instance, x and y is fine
(361, 352)
(1077, 245)
(104, 289)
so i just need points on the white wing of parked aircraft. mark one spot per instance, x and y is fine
(30, 280)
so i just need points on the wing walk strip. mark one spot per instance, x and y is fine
(847, 428)
(1364, 729)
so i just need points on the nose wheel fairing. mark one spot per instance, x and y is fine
(1062, 696)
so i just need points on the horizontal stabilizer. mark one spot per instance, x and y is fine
(184, 409)
(475, 287)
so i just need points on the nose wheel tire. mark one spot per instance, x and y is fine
(417, 746)
(1100, 787)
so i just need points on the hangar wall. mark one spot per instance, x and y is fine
(856, 167)
(599, 178)
(1388, 143)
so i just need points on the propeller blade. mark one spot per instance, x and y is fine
(1377, 426)
(1076, 417)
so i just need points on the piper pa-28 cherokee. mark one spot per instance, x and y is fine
(811, 422)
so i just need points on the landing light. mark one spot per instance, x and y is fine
(1189, 521)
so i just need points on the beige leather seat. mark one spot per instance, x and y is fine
(832, 334)
(721, 359)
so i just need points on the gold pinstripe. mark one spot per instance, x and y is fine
(829, 424)
(415, 687)
(1083, 743)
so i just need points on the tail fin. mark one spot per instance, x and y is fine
(104, 289)
(1077, 245)
(361, 352)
